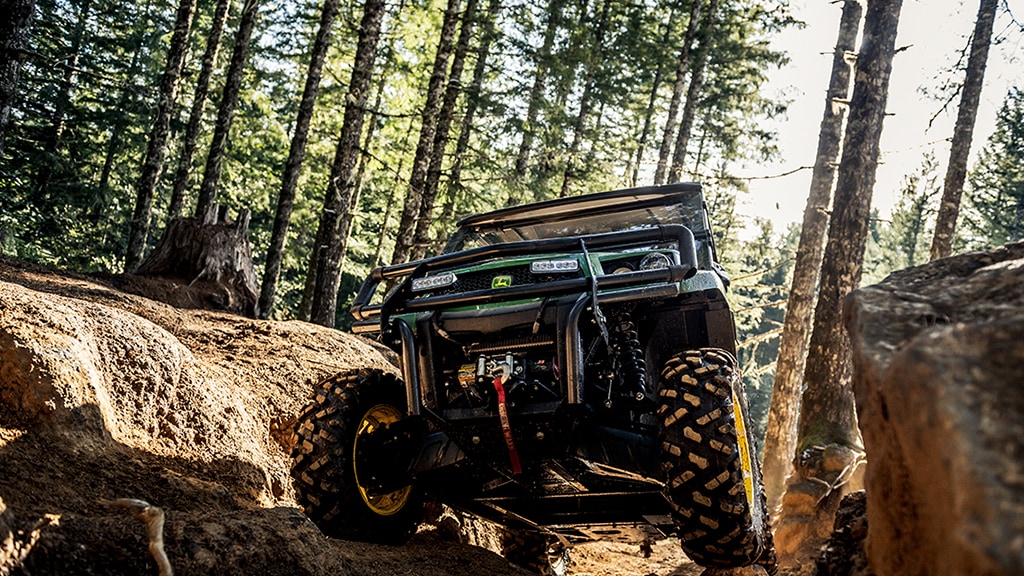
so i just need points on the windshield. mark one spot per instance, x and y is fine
(594, 214)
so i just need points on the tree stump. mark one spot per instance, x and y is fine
(212, 259)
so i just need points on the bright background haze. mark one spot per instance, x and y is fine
(931, 35)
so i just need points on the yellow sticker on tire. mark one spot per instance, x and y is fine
(745, 459)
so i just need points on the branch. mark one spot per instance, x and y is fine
(766, 270)
(783, 175)
(759, 338)
(758, 372)
(153, 518)
(1013, 19)
(958, 88)
(775, 304)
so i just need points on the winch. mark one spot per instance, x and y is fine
(525, 379)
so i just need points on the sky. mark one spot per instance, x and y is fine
(932, 32)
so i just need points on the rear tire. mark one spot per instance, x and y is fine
(713, 481)
(345, 408)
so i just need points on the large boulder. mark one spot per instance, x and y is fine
(939, 377)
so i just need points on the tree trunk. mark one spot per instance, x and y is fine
(226, 113)
(633, 168)
(296, 152)
(348, 219)
(212, 258)
(338, 198)
(14, 32)
(963, 131)
(195, 116)
(829, 447)
(586, 100)
(64, 96)
(121, 120)
(156, 151)
(417, 180)
(677, 92)
(421, 239)
(455, 188)
(780, 439)
(379, 252)
(694, 91)
(543, 64)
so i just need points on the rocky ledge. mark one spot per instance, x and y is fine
(939, 377)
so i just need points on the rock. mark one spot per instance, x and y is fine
(843, 555)
(939, 360)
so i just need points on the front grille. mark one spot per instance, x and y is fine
(513, 345)
(517, 276)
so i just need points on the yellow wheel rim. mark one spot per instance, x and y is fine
(745, 462)
(381, 504)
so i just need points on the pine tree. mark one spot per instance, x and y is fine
(542, 63)
(326, 269)
(596, 50)
(904, 241)
(780, 439)
(428, 127)
(157, 149)
(963, 131)
(995, 212)
(682, 71)
(425, 218)
(652, 100)
(65, 95)
(14, 30)
(828, 438)
(705, 37)
(195, 117)
(473, 97)
(206, 202)
(296, 153)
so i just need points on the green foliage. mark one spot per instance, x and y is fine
(995, 199)
(71, 195)
(904, 240)
(78, 218)
(761, 269)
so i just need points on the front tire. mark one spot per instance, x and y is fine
(326, 471)
(713, 480)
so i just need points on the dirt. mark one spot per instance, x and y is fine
(106, 394)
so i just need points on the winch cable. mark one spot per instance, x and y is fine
(506, 425)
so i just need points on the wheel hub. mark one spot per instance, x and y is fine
(367, 455)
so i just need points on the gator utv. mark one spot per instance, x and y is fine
(567, 370)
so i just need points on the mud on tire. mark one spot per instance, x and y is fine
(713, 482)
(324, 473)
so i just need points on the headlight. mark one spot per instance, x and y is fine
(624, 269)
(433, 282)
(655, 261)
(554, 266)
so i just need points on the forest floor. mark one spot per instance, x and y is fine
(107, 394)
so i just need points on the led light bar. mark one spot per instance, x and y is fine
(554, 266)
(433, 282)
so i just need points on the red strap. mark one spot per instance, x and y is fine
(506, 427)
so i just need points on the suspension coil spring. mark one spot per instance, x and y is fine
(629, 357)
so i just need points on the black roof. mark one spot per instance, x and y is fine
(596, 203)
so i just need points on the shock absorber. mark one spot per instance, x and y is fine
(629, 357)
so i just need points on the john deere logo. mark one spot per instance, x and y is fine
(501, 282)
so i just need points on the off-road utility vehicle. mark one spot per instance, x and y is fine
(567, 370)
